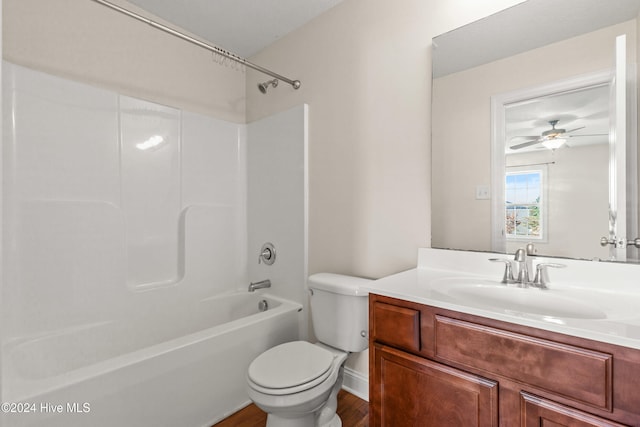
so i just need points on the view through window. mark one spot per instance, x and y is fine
(523, 196)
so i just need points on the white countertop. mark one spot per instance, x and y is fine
(616, 287)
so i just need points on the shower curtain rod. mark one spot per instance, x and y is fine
(212, 48)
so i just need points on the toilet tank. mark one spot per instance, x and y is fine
(340, 310)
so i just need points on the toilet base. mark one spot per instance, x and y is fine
(327, 417)
(335, 422)
(309, 421)
(306, 421)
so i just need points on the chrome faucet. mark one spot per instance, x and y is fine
(523, 261)
(259, 285)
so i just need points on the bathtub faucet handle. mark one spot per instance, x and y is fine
(259, 285)
(267, 254)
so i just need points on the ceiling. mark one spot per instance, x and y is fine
(243, 27)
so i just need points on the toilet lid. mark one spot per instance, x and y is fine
(289, 365)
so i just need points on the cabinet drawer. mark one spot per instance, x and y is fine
(575, 373)
(396, 326)
(541, 412)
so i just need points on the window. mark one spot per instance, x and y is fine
(524, 205)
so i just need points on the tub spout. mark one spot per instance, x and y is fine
(259, 285)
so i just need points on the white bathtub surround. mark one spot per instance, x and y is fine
(94, 218)
(126, 242)
(277, 202)
(602, 298)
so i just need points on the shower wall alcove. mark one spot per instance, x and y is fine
(121, 211)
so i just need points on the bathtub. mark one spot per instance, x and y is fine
(191, 374)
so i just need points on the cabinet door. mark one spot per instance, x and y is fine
(538, 412)
(412, 391)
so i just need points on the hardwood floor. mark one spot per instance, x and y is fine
(353, 411)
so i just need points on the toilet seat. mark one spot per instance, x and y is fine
(290, 368)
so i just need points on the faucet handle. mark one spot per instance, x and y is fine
(520, 255)
(530, 249)
(542, 275)
(508, 271)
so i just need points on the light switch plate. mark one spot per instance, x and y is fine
(483, 192)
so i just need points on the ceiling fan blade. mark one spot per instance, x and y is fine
(524, 144)
(524, 137)
(573, 130)
(592, 134)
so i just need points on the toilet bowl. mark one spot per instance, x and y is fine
(297, 383)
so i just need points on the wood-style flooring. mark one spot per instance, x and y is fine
(353, 411)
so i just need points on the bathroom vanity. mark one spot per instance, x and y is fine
(445, 358)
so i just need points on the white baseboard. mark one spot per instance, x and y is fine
(356, 383)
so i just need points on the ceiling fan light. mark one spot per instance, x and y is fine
(554, 143)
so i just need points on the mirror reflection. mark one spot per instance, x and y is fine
(556, 173)
(530, 144)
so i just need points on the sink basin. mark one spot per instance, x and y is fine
(549, 303)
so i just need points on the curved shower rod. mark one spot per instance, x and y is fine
(294, 83)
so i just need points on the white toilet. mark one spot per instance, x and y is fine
(297, 383)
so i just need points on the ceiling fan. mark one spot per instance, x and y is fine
(552, 138)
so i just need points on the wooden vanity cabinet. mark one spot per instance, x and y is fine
(436, 367)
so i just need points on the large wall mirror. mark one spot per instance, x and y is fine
(534, 131)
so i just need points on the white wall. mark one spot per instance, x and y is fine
(366, 74)
(85, 41)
